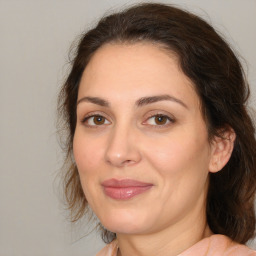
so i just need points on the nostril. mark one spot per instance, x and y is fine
(121, 153)
(129, 162)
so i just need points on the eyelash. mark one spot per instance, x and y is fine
(86, 118)
(170, 120)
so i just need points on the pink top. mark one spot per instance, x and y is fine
(215, 245)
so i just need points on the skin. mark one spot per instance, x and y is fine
(128, 142)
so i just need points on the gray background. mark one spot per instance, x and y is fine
(34, 40)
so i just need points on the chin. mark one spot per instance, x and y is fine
(124, 222)
(124, 228)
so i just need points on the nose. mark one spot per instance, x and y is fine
(122, 149)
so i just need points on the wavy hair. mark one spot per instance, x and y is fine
(220, 83)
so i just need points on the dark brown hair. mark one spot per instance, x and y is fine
(220, 83)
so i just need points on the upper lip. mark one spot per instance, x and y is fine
(124, 183)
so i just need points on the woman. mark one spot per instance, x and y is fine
(163, 146)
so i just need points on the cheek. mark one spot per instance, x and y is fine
(87, 153)
(179, 153)
(88, 158)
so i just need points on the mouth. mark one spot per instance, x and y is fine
(124, 189)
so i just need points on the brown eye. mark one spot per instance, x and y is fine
(161, 120)
(99, 120)
(95, 120)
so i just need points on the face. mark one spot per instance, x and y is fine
(140, 144)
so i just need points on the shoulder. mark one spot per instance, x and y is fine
(215, 245)
(109, 250)
(229, 247)
(218, 245)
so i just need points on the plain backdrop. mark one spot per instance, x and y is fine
(35, 36)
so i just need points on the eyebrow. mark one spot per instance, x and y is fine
(139, 103)
(152, 99)
(94, 100)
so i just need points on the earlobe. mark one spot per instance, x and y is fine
(221, 150)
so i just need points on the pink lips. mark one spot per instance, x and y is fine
(124, 189)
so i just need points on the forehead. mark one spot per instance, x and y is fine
(135, 70)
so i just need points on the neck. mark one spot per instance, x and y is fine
(168, 242)
(148, 246)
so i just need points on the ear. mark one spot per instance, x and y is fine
(221, 150)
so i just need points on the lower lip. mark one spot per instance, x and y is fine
(125, 193)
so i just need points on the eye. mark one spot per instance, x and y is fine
(95, 120)
(159, 120)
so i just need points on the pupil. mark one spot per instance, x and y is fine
(161, 119)
(98, 120)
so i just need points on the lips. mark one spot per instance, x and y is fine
(124, 189)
